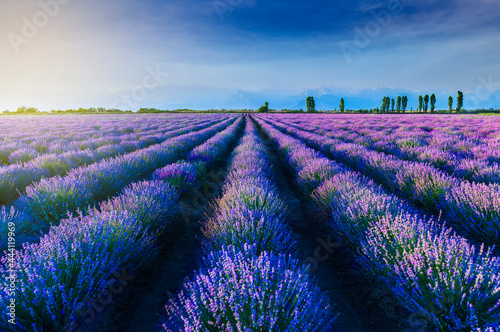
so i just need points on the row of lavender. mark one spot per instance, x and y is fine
(460, 134)
(25, 138)
(475, 207)
(434, 273)
(249, 280)
(79, 264)
(463, 156)
(190, 173)
(48, 201)
(15, 178)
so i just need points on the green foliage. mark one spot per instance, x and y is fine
(460, 101)
(404, 101)
(392, 104)
(265, 108)
(386, 103)
(433, 102)
(398, 104)
(149, 110)
(450, 103)
(420, 102)
(426, 103)
(91, 110)
(24, 109)
(311, 105)
(342, 105)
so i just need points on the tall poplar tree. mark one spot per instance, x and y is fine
(311, 105)
(404, 103)
(460, 101)
(433, 103)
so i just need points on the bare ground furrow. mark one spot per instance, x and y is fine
(364, 303)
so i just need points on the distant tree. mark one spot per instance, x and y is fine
(426, 103)
(404, 103)
(140, 110)
(392, 104)
(341, 105)
(386, 104)
(460, 101)
(450, 103)
(398, 104)
(420, 102)
(310, 104)
(24, 109)
(433, 103)
(265, 108)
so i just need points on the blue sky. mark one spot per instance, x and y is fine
(236, 53)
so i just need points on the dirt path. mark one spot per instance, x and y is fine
(440, 219)
(364, 304)
(178, 260)
(141, 306)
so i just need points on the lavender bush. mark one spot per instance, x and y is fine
(249, 292)
(182, 175)
(19, 219)
(153, 203)
(71, 265)
(50, 200)
(433, 272)
(419, 182)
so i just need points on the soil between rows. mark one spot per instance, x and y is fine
(437, 216)
(141, 307)
(363, 303)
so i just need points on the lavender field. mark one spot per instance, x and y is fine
(250, 222)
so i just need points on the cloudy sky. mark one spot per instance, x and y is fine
(173, 53)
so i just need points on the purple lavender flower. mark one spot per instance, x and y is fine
(240, 226)
(72, 265)
(249, 292)
(152, 203)
(181, 175)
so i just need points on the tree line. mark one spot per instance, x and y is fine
(390, 105)
(92, 110)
